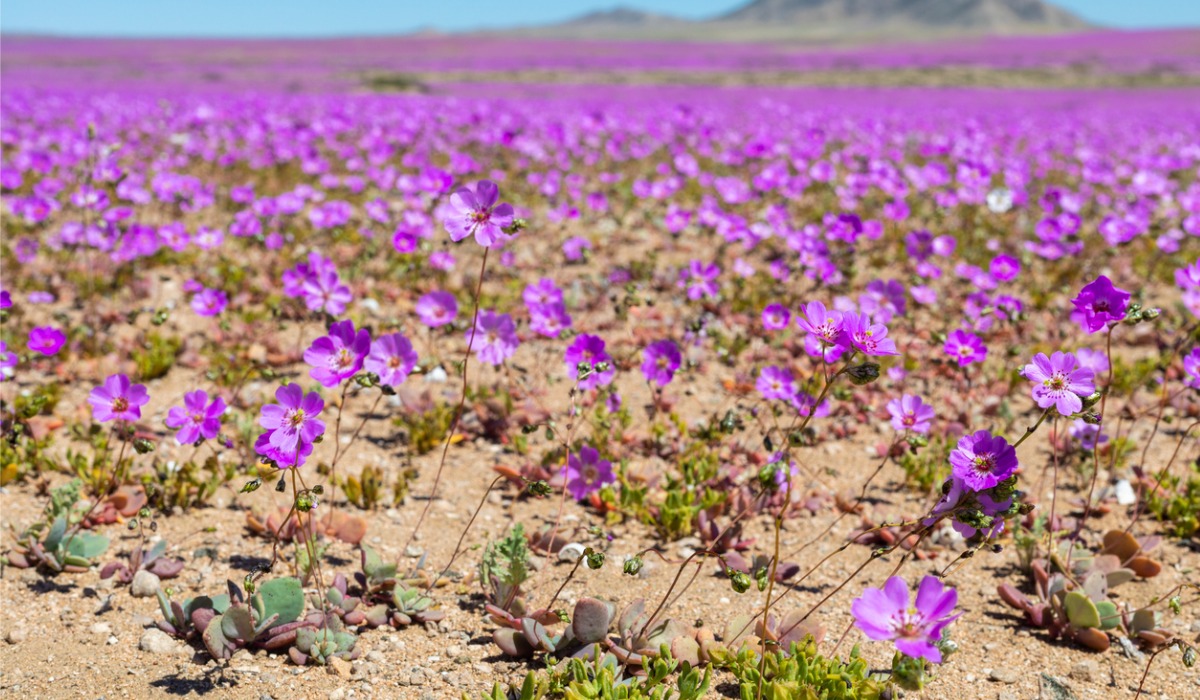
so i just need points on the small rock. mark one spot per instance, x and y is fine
(144, 585)
(1006, 695)
(375, 656)
(453, 651)
(156, 641)
(15, 635)
(339, 667)
(571, 552)
(1125, 494)
(1004, 675)
(337, 694)
(413, 551)
(102, 628)
(1084, 671)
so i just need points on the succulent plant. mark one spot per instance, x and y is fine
(747, 632)
(320, 644)
(153, 561)
(192, 616)
(640, 637)
(54, 549)
(269, 619)
(1078, 606)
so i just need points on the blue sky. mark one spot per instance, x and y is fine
(279, 18)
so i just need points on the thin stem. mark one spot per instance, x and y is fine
(1087, 505)
(462, 401)
(463, 535)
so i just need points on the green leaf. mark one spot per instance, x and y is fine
(55, 535)
(1110, 618)
(215, 641)
(1081, 611)
(283, 597)
(238, 623)
(87, 545)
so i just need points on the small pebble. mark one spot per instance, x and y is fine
(156, 641)
(144, 585)
(1004, 675)
(1084, 671)
(15, 635)
(571, 552)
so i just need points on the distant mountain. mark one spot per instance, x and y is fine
(823, 20)
(621, 17)
(993, 16)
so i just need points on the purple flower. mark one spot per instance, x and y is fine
(209, 302)
(543, 293)
(910, 413)
(1191, 368)
(983, 460)
(662, 360)
(1094, 360)
(870, 338)
(700, 280)
(1004, 268)
(1059, 381)
(825, 326)
(475, 212)
(118, 399)
(589, 349)
(283, 460)
(775, 317)
(291, 424)
(196, 418)
(549, 320)
(325, 292)
(494, 337)
(442, 260)
(437, 308)
(337, 356)
(965, 348)
(1087, 434)
(776, 384)
(957, 494)
(587, 473)
(885, 615)
(1099, 303)
(392, 357)
(574, 247)
(47, 340)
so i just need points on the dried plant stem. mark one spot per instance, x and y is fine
(462, 402)
(463, 535)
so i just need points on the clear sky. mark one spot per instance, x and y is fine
(292, 18)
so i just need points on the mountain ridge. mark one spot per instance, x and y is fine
(821, 20)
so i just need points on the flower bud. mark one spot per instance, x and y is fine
(1091, 418)
(633, 565)
(539, 488)
(861, 375)
(143, 446)
(739, 580)
(595, 559)
(251, 486)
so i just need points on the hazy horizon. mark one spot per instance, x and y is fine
(303, 19)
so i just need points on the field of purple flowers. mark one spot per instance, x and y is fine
(589, 391)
